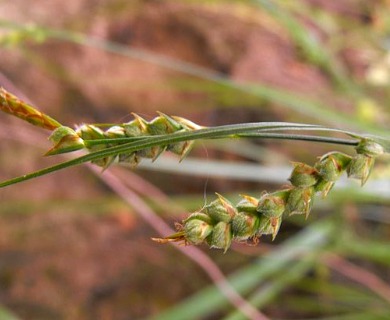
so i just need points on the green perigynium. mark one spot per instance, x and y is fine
(221, 236)
(246, 221)
(330, 166)
(300, 201)
(362, 164)
(221, 222)
(303, 175)
(273, 204)
(197, 230)
(369, 148)
(220, 210)
(245, 225)
(65, 139)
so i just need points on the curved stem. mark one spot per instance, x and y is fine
(231, 131)
(301, 137)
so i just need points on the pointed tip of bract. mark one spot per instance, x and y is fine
(275, 224)
(186, 150)
(226, 203)
(158, 152)
(250, 199)
(68, 143)
(187, 123)
(170, 119)
(175, 237)
(141, 121)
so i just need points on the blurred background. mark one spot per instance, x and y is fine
(72, 248)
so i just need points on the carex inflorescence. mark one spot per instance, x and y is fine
(99, 137)
(221, 222)
(94, 138)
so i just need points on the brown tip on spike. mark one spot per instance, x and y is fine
(176, 237)
(163, 240)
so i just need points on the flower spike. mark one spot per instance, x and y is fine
(13, 105)
(220, 222)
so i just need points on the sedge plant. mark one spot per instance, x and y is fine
(219, 222)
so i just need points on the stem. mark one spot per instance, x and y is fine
(231, 131)
(301, 137)
(282, 136)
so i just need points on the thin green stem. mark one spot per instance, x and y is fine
(258, 134)
(208, 133)
(96, 142)
(301, 137)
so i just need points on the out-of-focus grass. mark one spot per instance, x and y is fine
(5, 314)
(295, 102)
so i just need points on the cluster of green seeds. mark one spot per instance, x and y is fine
(220, 222)
(87, 136)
